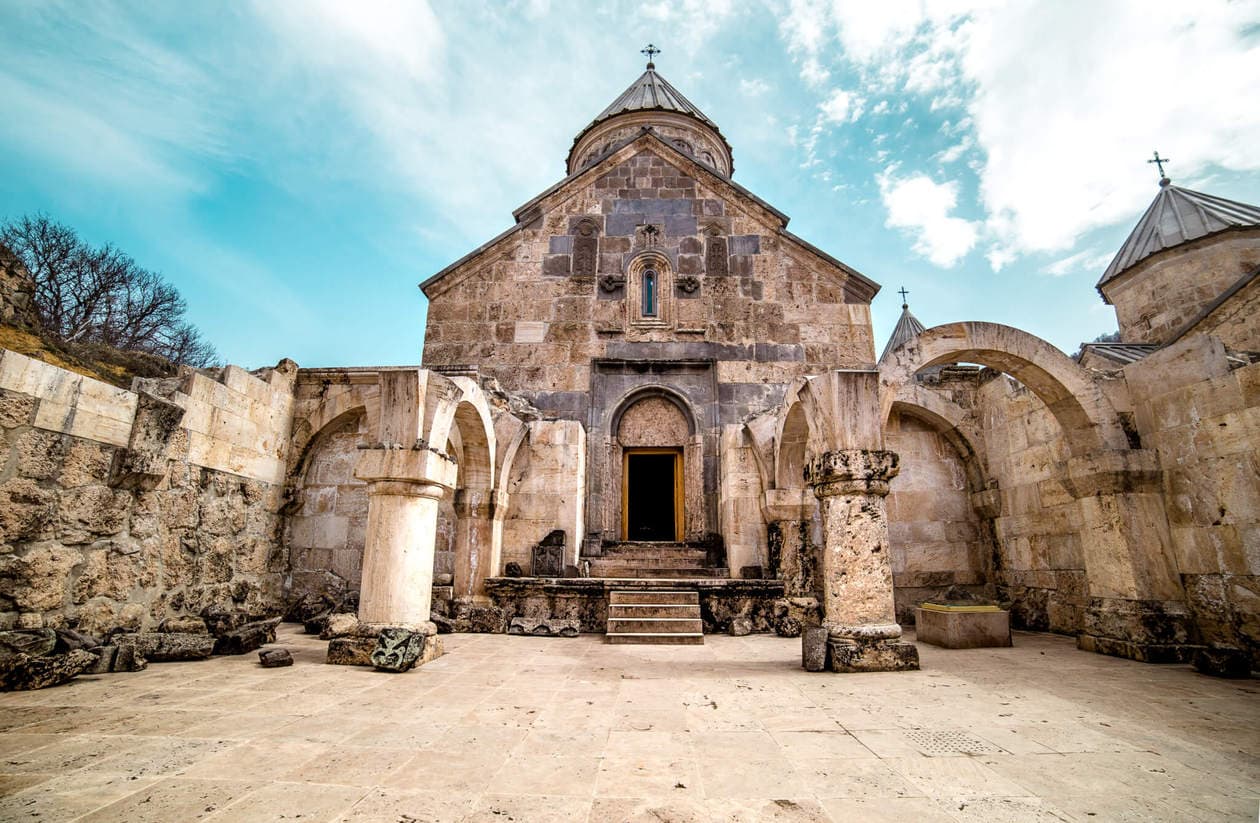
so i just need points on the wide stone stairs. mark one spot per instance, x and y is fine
(661, 561)
(654, 617)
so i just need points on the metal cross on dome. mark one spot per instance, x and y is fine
(651, 51)
(903, 294)
(1159, 164)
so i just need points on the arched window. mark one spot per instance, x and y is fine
(650, 288)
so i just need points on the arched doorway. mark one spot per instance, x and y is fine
(653, 436)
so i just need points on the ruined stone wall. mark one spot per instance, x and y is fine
(1202, 415)
(1040, 565)
(546, 491)
(550, 298)
(936, 538)
(122, 509)
(1163, 293)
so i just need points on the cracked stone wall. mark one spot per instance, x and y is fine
(122, 509)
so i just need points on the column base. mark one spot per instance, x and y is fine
(871, 656)
(1135, 650)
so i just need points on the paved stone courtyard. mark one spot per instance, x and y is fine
(528, 729)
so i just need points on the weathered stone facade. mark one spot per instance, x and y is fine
(649, 374)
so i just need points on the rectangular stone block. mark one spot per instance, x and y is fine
(963, 628)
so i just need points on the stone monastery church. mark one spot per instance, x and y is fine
(649, 394)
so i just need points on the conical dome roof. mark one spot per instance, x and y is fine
(908, 327)
(651, 92)
(651, 101)
(1177, 216)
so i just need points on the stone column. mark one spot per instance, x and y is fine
(858, 608)
(1137, 605)
(479, 521)
(405, 486)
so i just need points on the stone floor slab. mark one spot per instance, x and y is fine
(534, 730)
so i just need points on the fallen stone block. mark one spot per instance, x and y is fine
(788, 627)
(316, 624)
(183, 625)
(275, 658)
(444, 625)
(105, 656)
(159, 647)
(24, 672)
(247, 638)
(128, 659)
(1222, 661)
(30, 642)
(351, 651)
(70, 639)
(545, 627)
(339, 625)
(219, 620)
(741, 626)
(397, 650)
(814, 649)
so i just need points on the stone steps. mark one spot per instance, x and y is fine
(654, 618)
(671, 561)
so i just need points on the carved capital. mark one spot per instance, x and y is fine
(852, 471)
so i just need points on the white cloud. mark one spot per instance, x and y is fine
(1063, 101)
(922, 207)
(754, 87)
(840, 107)
(1089, 260)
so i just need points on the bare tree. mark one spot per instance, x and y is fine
(101, 295)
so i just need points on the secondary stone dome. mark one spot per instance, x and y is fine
(651, 102)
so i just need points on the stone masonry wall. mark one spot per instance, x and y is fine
(1041, 568)
(122, 509)
(536, 310)
(1202, 416)
(1161, 294)
(936, 538)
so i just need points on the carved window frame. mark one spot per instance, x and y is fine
(659, 265)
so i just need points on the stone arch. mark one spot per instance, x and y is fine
(949, 421)
(337, 402)
(326, 522)
(465, 419)
(1088, 421)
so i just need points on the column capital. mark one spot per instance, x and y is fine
(390, 469)
(852, 471)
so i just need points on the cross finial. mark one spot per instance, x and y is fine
(903, 294)
(1159, 164)
(651, 51)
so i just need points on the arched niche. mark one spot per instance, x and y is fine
(656, 467)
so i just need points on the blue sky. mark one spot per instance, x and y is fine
(297, 168)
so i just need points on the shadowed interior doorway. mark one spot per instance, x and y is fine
(652, 494)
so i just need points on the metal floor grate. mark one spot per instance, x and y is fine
(937, 743)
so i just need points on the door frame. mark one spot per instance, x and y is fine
(677, 452)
